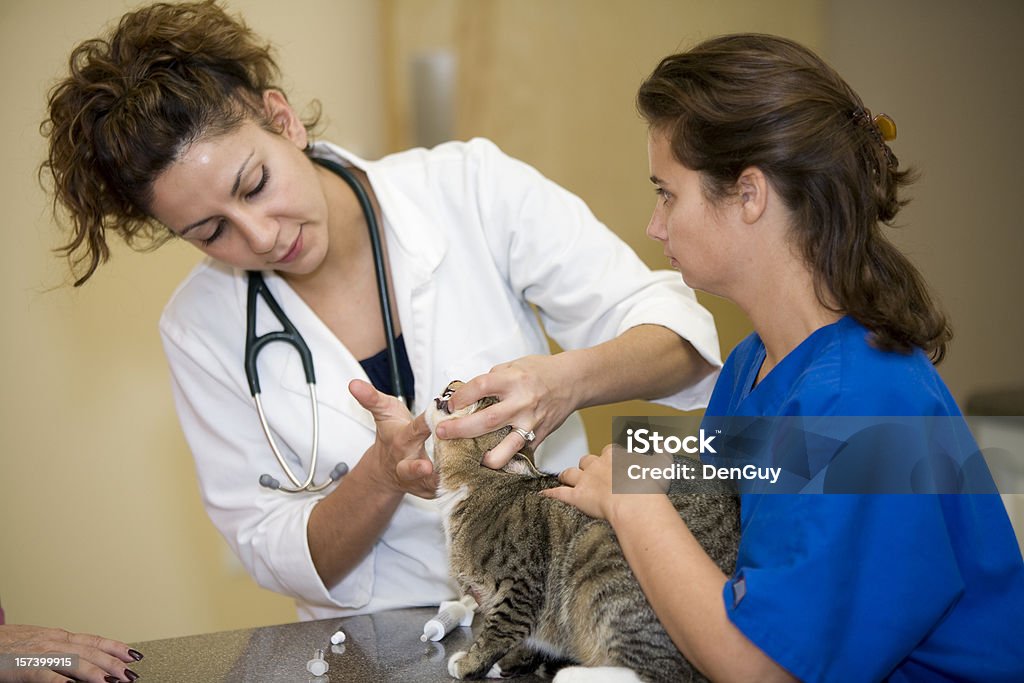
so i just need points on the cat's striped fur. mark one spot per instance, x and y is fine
(552, 583)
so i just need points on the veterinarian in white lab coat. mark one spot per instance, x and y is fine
(474, 237)
(473, 240)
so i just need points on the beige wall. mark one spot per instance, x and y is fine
(948, 72)
(101, 528)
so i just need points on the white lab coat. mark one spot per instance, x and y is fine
(474, 237)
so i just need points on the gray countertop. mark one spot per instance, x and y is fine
(378, 647)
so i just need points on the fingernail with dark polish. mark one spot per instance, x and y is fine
(130, 674)
(112, 679)
(135, 654)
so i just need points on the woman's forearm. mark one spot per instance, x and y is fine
(684, 586)
(344, 526)
(644, 362)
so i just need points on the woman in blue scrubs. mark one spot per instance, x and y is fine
(774, 182)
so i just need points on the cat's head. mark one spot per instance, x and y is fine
(448, 451)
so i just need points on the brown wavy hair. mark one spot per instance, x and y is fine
(166, 76)
(749, 100)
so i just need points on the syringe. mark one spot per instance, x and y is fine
(449, 615)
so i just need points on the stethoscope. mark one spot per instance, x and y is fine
(290, 335)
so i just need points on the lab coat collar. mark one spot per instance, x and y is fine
(404, 222)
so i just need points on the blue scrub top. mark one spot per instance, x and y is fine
(838, 587)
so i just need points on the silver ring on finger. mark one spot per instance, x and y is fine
(527, 434)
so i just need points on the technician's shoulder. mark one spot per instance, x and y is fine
(206, 300)
(889, 382)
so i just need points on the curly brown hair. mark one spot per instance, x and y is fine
(746, 100)
(166, 76)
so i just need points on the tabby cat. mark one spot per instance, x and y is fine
(552, 583)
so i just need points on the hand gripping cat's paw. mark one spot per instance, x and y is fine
(457, 668)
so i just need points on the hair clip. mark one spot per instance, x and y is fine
(885, 125)
(882, 128)
(882, 124)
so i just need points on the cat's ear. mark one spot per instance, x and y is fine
(522, 465)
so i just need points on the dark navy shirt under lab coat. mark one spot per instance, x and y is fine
(869, 587)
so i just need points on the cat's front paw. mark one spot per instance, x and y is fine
(460, 668)
(453, 664)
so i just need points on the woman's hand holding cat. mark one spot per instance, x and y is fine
(398, 450)
(589, 486)
(536, 393)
